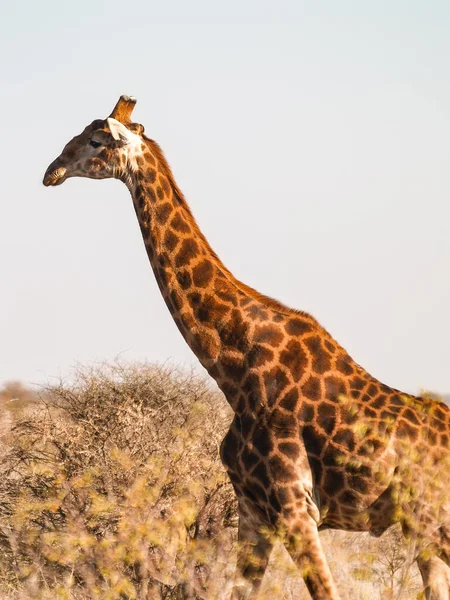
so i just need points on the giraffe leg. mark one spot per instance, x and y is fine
(303, 544)
(254, 549)
(433, 561)
(436, 578)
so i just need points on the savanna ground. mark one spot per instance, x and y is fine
(111, 487)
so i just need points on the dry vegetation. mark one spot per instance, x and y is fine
(112, 488)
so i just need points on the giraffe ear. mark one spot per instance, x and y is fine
(119, 132)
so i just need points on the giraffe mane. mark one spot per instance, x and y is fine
(271, 303)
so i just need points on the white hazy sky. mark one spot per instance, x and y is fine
(310, 138)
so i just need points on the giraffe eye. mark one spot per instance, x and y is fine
(94, 144)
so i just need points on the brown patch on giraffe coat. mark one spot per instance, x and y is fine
(179, 224)
(209, 309)
(289, 401)
(163, 211)
(289, 449)
(311, 388)
(281, 420)
(259, 356)
(235, 333)
(357, 383)
(170, 241)
(334, 387)
(268, 334)
(260, 473)
(204, 345)
(280, 470)
(186, 253)
(314, 440)
(233, 367)
(440, 413)
(330, 455)
(150, 194)
(294, 358)
(330, 346)
(230, 390)
(150, 176)
(217, 310)
(369, 412)
(349, 497)
(164, 184)
(372, 390)
(246, 424)
(411, 416)
(257, 311)
(333, 481)
(321, 362)
(345, 437)
(306, 413)
(379, 401)
(344, 364)
(326, 418)
(259, 492)
(252, 391)
(440, 426)
(275, 382)
(358, 483)
(202, 273)
(249, 459)
(297, 326)
(432, 437)
(149, 157)
(184, 279)
(262, 441)
(227, 296)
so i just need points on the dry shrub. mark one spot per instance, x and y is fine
(112, 488)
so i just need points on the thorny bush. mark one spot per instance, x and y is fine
(111, 488)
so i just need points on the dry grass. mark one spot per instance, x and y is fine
(111, 488)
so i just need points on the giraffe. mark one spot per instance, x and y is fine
(316, 442)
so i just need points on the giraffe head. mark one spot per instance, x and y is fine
(106, 148)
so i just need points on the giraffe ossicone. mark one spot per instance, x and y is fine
(316, 442)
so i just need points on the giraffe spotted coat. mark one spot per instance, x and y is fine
(316, 442)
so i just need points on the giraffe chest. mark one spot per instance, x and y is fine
(244, 454)
(272, 465)
(264, 478)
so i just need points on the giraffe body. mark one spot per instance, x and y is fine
(316, 442)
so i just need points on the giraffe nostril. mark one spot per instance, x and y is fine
(54, 177)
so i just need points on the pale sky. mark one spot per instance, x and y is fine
(311, 139)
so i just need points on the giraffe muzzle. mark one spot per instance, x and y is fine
(54, 176)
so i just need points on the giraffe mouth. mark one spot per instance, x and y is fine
(55, 177)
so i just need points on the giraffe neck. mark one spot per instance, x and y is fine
(204, 298)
